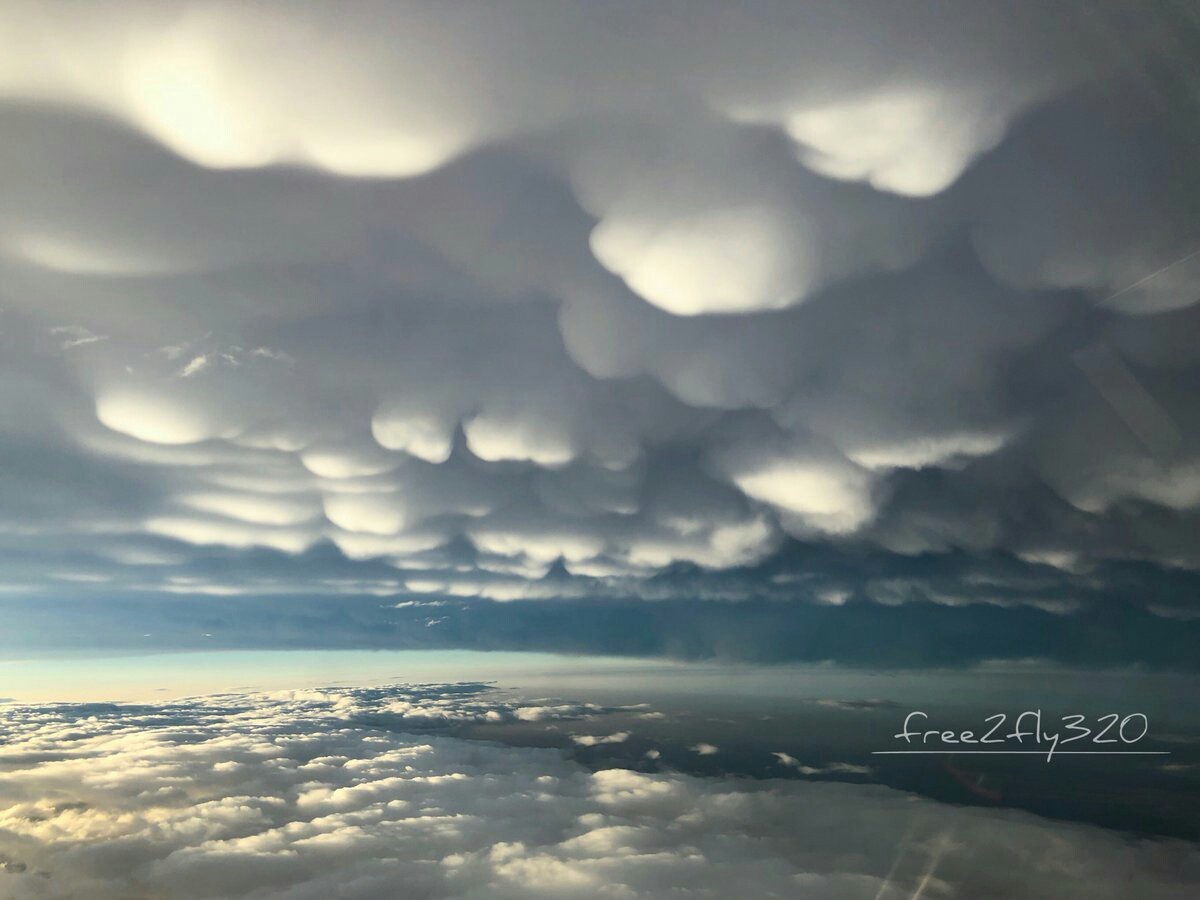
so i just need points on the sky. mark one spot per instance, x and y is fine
(549, 449)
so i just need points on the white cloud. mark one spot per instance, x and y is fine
(816, 491)
(833, 768)
(504, 283)
(918, 453)
(258, 509)
(155, 417)
(716, 261)
(595, 740)
(911, 141)
(425, 437)
(285, 795)
(376, 514)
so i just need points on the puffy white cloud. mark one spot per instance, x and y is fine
(490, 295)
(375, 514)
(424, 436)
(396, 90)
(208, 80)
(720, 261)
(495, 439)
(230, 534)
(904, 139)
(813, 487)
(708, 219)
(258, 509)
(927, 451)
(154, 416)
(594, 740)
(831, 497)
(834, 768)
(288, 795)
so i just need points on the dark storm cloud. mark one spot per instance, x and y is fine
(858, 609)
(549, 303)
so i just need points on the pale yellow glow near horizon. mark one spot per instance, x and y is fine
(163, 676)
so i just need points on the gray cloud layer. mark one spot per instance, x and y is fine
(281, 795)
(475, 295)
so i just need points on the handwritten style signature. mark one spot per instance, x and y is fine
(1027, 731)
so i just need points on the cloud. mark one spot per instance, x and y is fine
(954, 609)
(593, 740)
(240, 794)
(540, 303)
(1117, 228)
(834, 768)
(884, 138)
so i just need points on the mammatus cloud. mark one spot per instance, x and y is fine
(549, 301)
(284, 795)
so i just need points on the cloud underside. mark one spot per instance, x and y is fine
(277, 795)
(441, 302)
